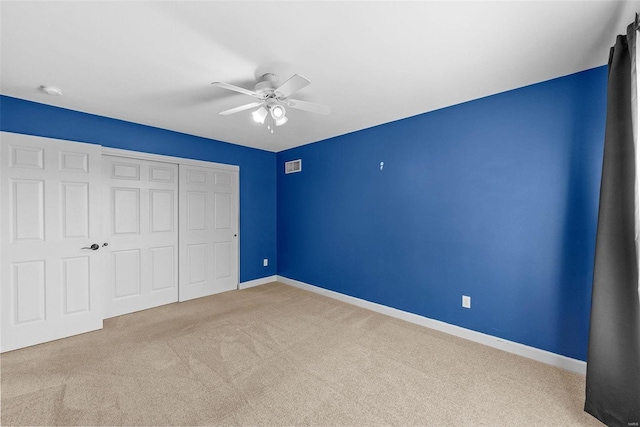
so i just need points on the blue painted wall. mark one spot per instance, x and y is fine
(495, 198)
(257, 167)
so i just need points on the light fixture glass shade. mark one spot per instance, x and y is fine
(282, 120)
(259, 115)
(277, 112)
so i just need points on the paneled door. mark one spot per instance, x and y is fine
(208, 231)
(141, 228)
(49, 220)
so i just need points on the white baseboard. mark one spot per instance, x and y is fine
(573, 365)
(258, 282)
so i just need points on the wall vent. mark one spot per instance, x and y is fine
(293, 166)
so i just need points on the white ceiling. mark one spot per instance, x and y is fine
(372, 62)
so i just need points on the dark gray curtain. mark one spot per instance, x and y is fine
(613, 361)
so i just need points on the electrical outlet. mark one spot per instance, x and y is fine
(466, 301)
(265, 262)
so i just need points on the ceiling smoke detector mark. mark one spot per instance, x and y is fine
(51, 90)
(293, 166)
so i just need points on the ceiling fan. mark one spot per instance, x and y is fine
(272, 99)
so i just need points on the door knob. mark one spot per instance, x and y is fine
(93, 247)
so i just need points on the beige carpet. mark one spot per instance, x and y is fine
(277, 355)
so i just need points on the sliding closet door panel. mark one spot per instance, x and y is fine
(208, 231)
(49, 212)
(141, 225)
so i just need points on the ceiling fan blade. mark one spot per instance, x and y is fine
(294, 84)
(241, 108)
(237, 89)
(308, 106)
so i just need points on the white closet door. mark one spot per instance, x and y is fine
(141, 225)
(208, 231)
(49, 212)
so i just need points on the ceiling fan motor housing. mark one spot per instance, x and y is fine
(267, 84)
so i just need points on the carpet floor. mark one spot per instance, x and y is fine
(277, 355)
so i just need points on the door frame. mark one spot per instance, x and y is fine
(118, 152)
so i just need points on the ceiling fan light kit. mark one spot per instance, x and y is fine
(272, 98)
(259, 115)
(281, 121)
(277, 112)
